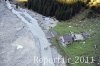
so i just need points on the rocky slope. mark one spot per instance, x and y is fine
(17, 47)
(21, 39)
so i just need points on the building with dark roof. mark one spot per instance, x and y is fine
(67, 39)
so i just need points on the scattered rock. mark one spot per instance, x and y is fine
(84, 42)
(19, 46)
(69, 26)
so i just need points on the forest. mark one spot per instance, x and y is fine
(52, 8)
(60, 10)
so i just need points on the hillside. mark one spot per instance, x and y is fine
(80, 49)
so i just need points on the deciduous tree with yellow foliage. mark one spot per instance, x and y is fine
(90, 3)
(22, 0)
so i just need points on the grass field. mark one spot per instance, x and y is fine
(81, 48)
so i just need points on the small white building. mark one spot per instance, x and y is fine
(78, 37)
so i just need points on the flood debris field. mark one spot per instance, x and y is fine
(22, 39)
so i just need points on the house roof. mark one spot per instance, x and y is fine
(74, 37)
(68, 38)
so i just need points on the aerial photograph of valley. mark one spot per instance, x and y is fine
(49, 32)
